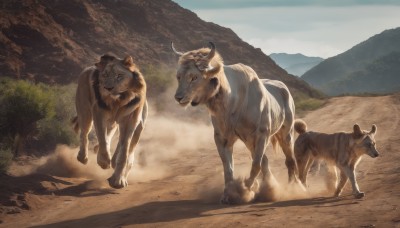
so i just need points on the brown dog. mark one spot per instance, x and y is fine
(343, 150)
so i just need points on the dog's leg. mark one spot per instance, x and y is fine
(350, 172)
(331, 177)
(342, 183)
(302, 156)
(309, 162)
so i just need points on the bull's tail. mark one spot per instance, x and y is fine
(300, 126)
(75, 124)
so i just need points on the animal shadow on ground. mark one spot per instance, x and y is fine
(152, 212)
(169, 211)
(43, 184)
(317, 202)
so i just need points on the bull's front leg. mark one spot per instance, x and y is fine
(225, 151)
(127, 128)
(260, 142)
(103, 156)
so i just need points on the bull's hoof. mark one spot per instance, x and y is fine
(103, 161)
(117, 182)
(359, 195)
(82, 158)
(225, 199)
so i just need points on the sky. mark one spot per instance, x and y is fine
(322, 28)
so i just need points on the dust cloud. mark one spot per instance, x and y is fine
(163, 140)
(167, 147)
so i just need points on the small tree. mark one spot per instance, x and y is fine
(23, 105)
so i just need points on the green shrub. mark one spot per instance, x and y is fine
(5, 159)
(23, 105)
(58, 130)
(309, 104)
(36, 115)
(158, 78)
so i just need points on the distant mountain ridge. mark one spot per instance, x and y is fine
(296, 64)
(52, 41)
(369, 67)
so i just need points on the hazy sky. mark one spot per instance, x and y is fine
(321, 28)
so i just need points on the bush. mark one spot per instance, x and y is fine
(158, 78)
(5, 159)
(58, 130)
(309, 104)
(23, 105)
(38, 115)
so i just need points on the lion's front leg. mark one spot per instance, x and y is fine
(127, 128)
(103, 156)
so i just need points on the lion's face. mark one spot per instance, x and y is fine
(115, 79)
(194, 87)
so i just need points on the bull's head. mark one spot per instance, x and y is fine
(197, 75)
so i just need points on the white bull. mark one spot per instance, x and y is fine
(241, 106)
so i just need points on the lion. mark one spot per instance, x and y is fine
(241, 106)
(112, 95)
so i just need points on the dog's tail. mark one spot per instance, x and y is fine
(300, 126)
(75, 124)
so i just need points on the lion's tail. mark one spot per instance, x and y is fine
(300, 126)
(75, 124)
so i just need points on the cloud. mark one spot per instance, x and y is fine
(310, 30)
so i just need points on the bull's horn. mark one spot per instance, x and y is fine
(173, 49)
(212, 52)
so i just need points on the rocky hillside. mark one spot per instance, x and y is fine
(52, 40)
(296, 64)
(369, 67)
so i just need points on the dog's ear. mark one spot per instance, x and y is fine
(373, 130)
(357, 132)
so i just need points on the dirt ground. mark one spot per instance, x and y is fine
(178, 180)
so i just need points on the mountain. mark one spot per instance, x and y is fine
(369, 67)
(51, 41)
(380, 76)
(296, 64)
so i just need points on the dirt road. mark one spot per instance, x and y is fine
(178, 180)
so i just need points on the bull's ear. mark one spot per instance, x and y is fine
(104, 60)
(357, 132)
(373, 130)
(211, 71)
